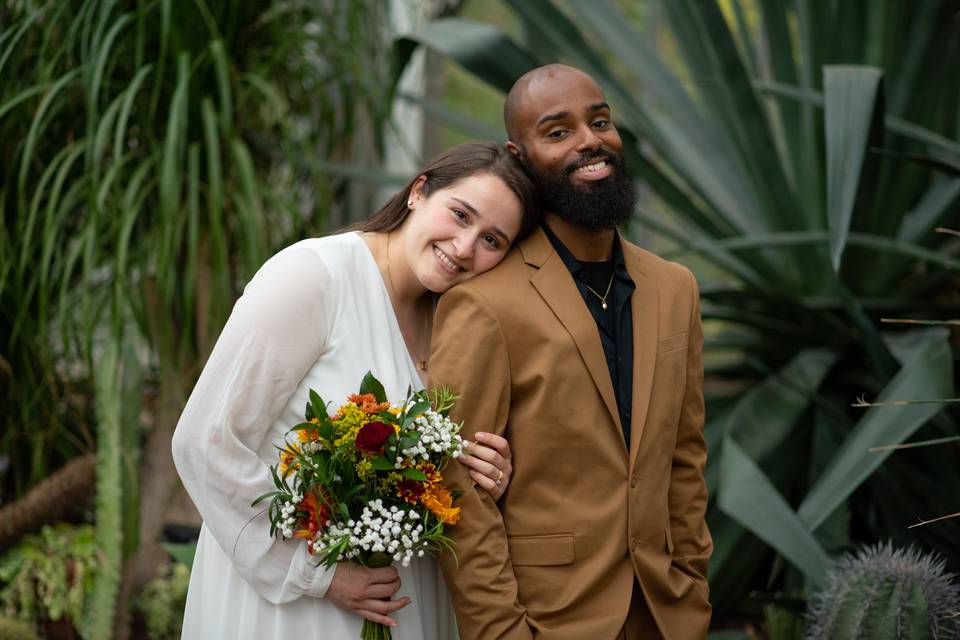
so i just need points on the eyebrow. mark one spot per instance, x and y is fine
(560, 115)
(469, 207)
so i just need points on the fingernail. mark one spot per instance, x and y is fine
(480, 435)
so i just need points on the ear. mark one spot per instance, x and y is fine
(513, 148)
(416, 190)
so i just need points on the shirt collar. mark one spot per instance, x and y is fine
(574, 266)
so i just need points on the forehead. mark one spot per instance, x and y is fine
(557, 92)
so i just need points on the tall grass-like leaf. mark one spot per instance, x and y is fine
(481, 48)
(769, 411)
(749, 497)
(851, 110)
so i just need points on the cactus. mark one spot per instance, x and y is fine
(882, 593)
(11, 629)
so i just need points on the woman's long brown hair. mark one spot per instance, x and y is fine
(468, 159)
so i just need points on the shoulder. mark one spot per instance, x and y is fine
(306, 273)
(506, 276)
(315, 262)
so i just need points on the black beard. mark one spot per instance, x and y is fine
(596, 206)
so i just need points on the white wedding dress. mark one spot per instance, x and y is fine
(316, 315)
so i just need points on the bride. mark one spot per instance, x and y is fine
(319, 314)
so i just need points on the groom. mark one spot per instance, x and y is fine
(584, 351)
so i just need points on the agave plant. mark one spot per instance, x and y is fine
(801, 155)
(153, 155)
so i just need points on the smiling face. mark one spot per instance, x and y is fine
(460, 231)
(563, 134)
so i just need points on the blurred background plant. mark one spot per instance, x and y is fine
(152, 155)
(47, 578)
(161, 603)
(797, 155)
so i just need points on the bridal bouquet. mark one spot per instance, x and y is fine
(366, 484)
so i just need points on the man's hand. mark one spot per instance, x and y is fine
(366, 592)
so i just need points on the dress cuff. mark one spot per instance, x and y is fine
(316, 577)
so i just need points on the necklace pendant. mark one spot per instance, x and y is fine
(603, 305)
(423, 365)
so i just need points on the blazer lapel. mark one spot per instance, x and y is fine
(555, 285)
(644, 305)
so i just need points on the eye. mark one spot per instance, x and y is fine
(460, 215)
(492, 240)
(556, 134)
(601, 124)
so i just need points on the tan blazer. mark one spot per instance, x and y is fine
(585, 514)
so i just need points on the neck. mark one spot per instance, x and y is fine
(586, 246)
(406, 291)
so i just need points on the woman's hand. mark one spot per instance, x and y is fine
(366, 591)
(489, 462)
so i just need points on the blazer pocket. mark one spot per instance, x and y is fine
(541, 551)
(676, 342)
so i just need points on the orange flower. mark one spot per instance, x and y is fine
(307, 435)
(318, 514)
(368, 403)
(439, 501)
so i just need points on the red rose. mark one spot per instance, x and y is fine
(372, 436)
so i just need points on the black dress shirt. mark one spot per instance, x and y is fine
(615, 324)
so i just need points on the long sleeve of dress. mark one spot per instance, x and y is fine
(276, 332)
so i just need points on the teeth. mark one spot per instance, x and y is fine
(446, 260)
(592, 167)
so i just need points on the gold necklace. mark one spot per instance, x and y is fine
(421, 361)
(602, 298)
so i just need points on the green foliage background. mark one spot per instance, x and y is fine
(799, 156)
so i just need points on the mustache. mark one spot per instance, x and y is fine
(590, 158)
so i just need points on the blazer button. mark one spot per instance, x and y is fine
(633, 482)
(636, 542)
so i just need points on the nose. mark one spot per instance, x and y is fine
(588, 139)
(463, 244)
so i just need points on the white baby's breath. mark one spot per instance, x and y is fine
(380, 529)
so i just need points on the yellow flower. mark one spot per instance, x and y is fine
(288, 457)
(347, 423)
(364, 467)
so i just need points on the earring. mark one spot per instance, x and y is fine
(409, 204)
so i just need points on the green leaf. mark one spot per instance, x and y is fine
(926, 372)
(371, 385)
(481, 48)
(931, 211)
(380, 463)
(767, 414)
(326, 430)
(317, 406)
(268, 494)
(852, 113)
(414, 474)
(747, 496)
(182, 553)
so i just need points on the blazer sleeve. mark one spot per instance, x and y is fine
(688, 490)
(469, 355)
(275, 333)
